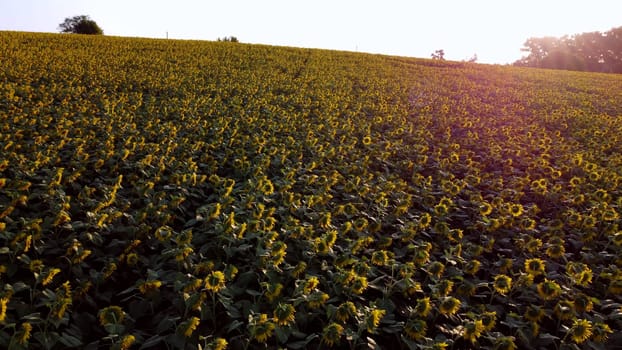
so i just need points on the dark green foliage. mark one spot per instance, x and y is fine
(592, 52)
(80, 25)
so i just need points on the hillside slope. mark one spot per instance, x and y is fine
(202, 193)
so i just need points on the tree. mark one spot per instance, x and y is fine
(592, 51)
(80, 25)
(438, 55)
(230, 39)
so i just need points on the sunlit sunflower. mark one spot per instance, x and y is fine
(261, 328)
(534, 266)
(516, 209)
(502, 284)
(215, 281)
(485, 208)
(380, 258)
(581, 330)
(373, 318)
(444, 287)
(3, 306)
(358, 285)
(423, 307)
(24, 333)
(473, 330)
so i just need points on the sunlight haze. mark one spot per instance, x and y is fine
(493, 30)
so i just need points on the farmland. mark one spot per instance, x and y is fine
(186, 194)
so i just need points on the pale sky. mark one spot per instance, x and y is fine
(495, 30)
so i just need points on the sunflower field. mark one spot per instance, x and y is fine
(164, 194)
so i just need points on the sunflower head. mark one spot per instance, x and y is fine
(580, 331)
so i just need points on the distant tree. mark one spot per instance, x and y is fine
(593, 51)
(473, 59)
(230, 39)
(80, 25)
(438, 55)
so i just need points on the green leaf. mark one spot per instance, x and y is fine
(153, 341)
(70, 340)
(302, 344)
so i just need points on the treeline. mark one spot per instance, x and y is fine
(593, 52)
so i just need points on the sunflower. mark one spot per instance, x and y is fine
(564, 310)
(472, 267)
(261, 328)
(188, 327)
(555, 251)
(425, 220)
(380, 258)
(423, 307)
(466, 288)
(215, 281)
(444, 287)
(317, 299)
(299, 269)
(24, 334)
(310, 284)
(505, 343)
(373, 319)
(436, 269)
(344, 311)
(149, 286)
(516, 209)
(489, 320)
(111, 315)
(3, 305)
(359, 284)
(600, 332)
(533, 245)
(548, 289)
(332, 334)
(441, 209)
(581, 330)
(505, 265)
(284, 314)
(415, 329)
(615, 286)
(502, 284)
(485, 208)
(449, 305)
(583, 303)
(534, 313)
(127, 341)
(534, 266)
(273, 290)
(473, 330)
